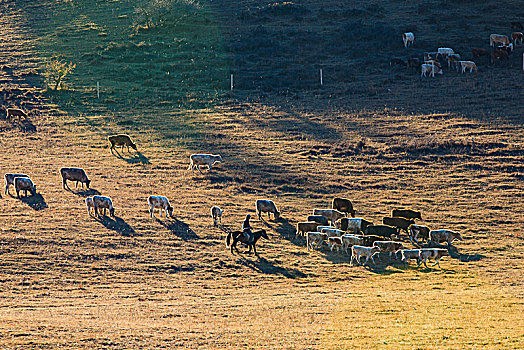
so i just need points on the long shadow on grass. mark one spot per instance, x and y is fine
(117, 224)
(455, 254)
(178, 228)
(86, 193)
(285, 230)
(133, 158)
(36, 201)
(262, 265)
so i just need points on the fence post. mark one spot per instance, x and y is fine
(231, 82)
(321, 78)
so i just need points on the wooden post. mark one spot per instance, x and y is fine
(231, 82)
(97, 89)
(321, 78)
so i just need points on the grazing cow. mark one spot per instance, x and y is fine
(397, 61)
(369, 240)
(431, 253)
(408, 39)
(448, 236)
(357, 251)
(102, 202)
(354, 225)
(343, 205)
(517, 37)
(498, 55)
(160, 202)
(399, 223)
(318, 218)
(121, 140)
(468, 64)
(266, 206)
(216, 214)
(444, 51)
(516, 26)
(333, 242)
(406, 213)
(381, 230)
(196, 160)
(351, 240)
(24, 184)
(89, 204)
(74, 174)
(434, 63)
(431, 69)
(452, 60)
(315, 238)
(10, 180)
(331, 214)
(390, 247)
(418, 230)
(498, 39)
(408, 254)
(413, 62)
(308, 226)
(15, 112)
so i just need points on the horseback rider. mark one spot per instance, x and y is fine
(247, 230)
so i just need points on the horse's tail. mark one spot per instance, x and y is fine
(228, 238)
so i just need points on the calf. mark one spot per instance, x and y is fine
(406, 213)
(357, 251)
(331, 232)
(15, 112)
(74, 174)
(90, 204)
(381, 230)
(334, 242)
(351, 240)
(266, 206)
(434, 63)
(216, 213)
(102, 202)
(304, 227)
(343, 205)
(24, 184)
(196, 160)
(431, 69)
(10, 180)
(399, 223)
(331, 214)
(408, 39)
(452, 60)
(354, 225)
(448, 236)
(468, 64)
(160, 202)
(418, 230)
(318, 218)
(315, 238)
(408, 254)
(390, 247)
(431, 253)
(121, 140)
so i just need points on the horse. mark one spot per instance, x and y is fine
(238, 236)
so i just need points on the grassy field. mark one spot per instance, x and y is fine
(69, 280)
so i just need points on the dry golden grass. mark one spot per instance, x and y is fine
(70, 281)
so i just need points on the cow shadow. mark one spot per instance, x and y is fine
(36, 202)
(178, 228)
(262, 265)
(455, 254)
(86, 192)
(137, 158)
(116, 224)
(285, 230)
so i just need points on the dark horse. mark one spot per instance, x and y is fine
(238, 236)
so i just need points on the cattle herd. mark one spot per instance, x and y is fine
(500, 48)
(337, 227)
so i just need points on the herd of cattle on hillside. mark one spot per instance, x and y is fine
(336, 226)
(501, 47)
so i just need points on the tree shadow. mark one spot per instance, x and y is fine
(132, 159)
(262, 265)
(36, 201)
(178, 228)
(117, 224)
(86, 192)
